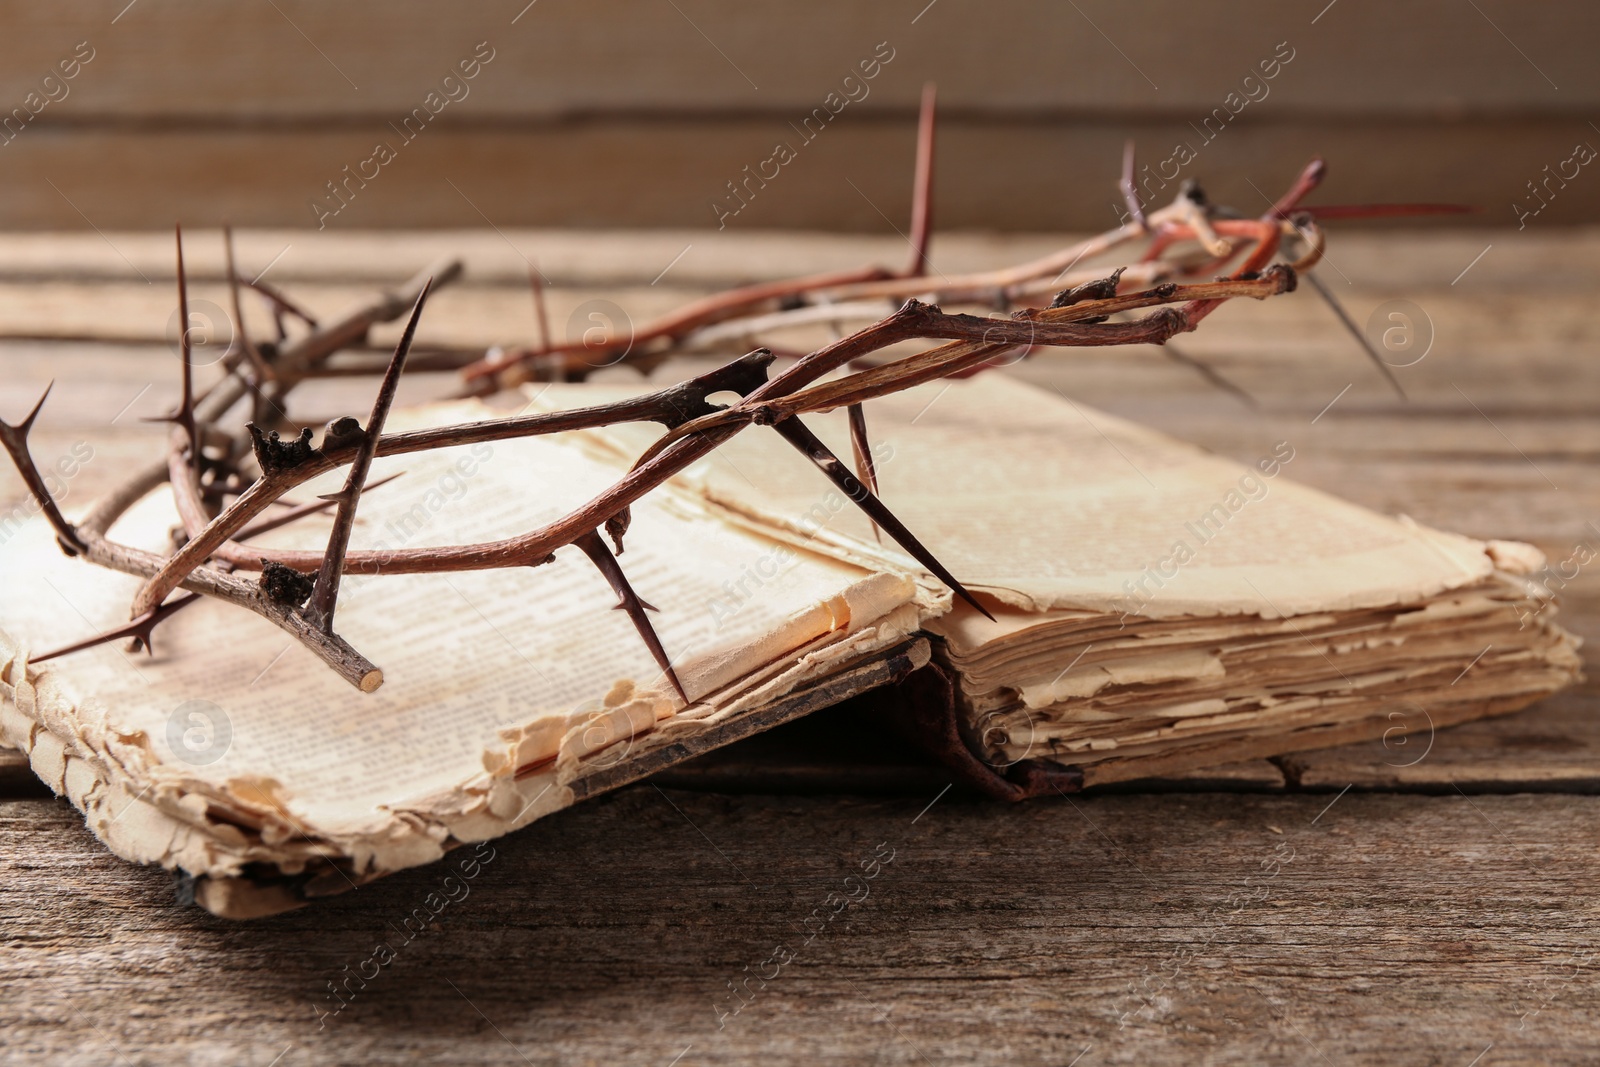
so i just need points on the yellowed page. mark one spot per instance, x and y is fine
(487, 673)
(1043, 503)
(1151, 600)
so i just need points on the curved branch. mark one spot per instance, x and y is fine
(695, 427)
(211, 540)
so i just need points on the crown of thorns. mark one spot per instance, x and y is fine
(231, 486)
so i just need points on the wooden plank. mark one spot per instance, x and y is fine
(1293, 358)
(1134, 929)
(1262, 336)
(1057, 174)
(1151, 930)
(264, 106)
(305, 61)
(1538, 263)
(1554, 747)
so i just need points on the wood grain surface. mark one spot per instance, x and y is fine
(639, 114)
(1357, 905)
(1219, 928)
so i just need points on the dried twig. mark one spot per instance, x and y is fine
(1129, 187)
(184, 416)
(699, 429)
(594, 546)
(536, 283)
(15, 439)
(224, 484)
(325, 593)
(1353, 330)
(140, 629)
(283, 304)
(813, 449)
(922, 184)
(263, 372)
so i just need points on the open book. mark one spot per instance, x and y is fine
(1155, 608)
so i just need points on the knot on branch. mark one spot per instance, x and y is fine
(1280, 276)
(276, 455)
(617, 525)
(1167, 323)
(1283, 276)
(1099, 289)
(284, 585)
(340, 433)
(687, 402)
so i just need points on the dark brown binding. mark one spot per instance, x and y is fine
(922, 709)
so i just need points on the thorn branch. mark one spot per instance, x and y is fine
(594, 546)
(922, 183)
(15, 439)
(219, 515)
(811, 446)
(326, 594)
(1354, 331)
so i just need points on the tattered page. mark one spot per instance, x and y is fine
(1042, 502)
(1153, 602)
(234, 744)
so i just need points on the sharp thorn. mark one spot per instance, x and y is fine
(1209, 373)
(594, 546)
(281, 304)
(922, 183)
(300, 511)
(325, 594)
(185, 413)
(1130, 189)
(536, 284)
(617, 527)
(27, 424)
(252, 353)
(866, 470)
(144, 642)
(141, 629)
(813, 449)
(1349, 325)
(15, 441)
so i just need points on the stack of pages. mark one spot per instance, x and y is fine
(1156, 608)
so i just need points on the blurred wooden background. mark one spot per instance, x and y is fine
(1427, 917)
(618, 113)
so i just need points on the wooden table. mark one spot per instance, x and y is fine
(1358, 905)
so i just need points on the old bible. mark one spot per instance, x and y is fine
(1151, 607)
